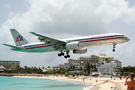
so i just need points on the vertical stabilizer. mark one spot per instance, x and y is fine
(18, 38)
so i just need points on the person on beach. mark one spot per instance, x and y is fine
(96, 80)
(130, 84)
(111, 76)
(83, 79)
(120, 77)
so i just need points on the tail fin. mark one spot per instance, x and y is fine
(18, 38)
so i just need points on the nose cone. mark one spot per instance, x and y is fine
(127, 39)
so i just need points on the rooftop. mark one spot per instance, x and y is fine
(9, 61)
(2, 67)
(106, 56)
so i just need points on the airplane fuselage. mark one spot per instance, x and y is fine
(87, 41)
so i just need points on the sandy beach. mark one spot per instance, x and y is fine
(101, 84)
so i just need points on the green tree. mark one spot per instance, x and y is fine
(18, 68)
(48, 67)
(71, 68)
(81, 68)
(25, 67)
(88, 67)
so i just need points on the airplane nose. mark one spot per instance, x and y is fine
(127, 39)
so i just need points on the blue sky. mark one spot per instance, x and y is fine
(67, 19)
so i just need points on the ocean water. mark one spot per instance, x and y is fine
(15, 83)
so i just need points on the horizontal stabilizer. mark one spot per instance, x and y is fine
(12, 46)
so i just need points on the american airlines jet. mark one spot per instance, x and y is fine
(77, 45)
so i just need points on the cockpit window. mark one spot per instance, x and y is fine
(122, 35)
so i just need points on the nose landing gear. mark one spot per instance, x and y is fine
(113, 50)
(114, 47)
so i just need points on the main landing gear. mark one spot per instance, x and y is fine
(62, 54)
(114, 47)
(67, 56)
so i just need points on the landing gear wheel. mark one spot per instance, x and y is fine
(113, 50)
(65, 56)
(59, 54)
(62, 54)
(68, 56)
(114, 47)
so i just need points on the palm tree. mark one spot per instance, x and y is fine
(81, 68)
(48, 67)
(88, 67)
(94, 67)
(25, 67)
(18, 68)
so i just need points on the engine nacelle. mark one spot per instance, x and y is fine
(72, 45)
(80, 51)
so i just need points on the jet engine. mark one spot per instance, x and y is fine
(72, 45)
(80, 51)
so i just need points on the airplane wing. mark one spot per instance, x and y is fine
(55, 43)
(12, 46)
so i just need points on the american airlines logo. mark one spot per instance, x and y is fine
(19, 38)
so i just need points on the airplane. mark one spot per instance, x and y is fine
(77, 45)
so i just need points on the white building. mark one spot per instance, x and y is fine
(77, 65)
(67, 65)
(1, 69)
(10, 65)
(110, 67)
(62, 66)
(82, 61)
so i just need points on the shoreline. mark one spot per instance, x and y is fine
(60, 79)
(102, 83)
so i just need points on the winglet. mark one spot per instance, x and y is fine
(32, 32)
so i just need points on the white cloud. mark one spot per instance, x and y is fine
(110, 10)
(59, 16)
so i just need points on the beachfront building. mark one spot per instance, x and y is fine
(60, 66)
(104, 57)
(67, 65)
(110, 67)
(77, 65)
(10, 65)
(2, 69)
(93, 59)
(82, 61)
